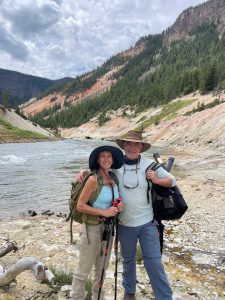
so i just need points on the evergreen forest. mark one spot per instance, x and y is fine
(17, 88)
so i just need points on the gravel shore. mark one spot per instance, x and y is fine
(194, 253)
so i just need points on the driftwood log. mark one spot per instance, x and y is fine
(9, 247)
(39, 270)
(26, 263)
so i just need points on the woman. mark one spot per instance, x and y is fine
(101, 160)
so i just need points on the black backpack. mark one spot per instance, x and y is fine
(167, 203)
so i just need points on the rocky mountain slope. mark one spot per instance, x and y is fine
(35, 106)
(150, 74)
(209, 12)
(130, 90)
(102, 84)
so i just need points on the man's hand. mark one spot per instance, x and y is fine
(150, 175)
(80, 176)
(120, 206)
(166, 182)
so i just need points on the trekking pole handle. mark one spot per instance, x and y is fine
(157, 158)
(168, 165)
(116, 201)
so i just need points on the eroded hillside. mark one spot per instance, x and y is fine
(169, 125)
(14, 128)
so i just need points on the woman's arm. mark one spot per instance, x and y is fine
(83, 206)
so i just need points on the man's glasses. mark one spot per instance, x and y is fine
(130, 178)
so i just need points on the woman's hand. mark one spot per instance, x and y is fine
(110, 212)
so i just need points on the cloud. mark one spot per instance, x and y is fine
(56, 38)
(13, 47)
(30, 18)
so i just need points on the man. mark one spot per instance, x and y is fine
(137, 219)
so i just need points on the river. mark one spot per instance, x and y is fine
(38, 176)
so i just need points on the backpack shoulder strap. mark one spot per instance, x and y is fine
(153, 166)
(99, 180)
(87, 176)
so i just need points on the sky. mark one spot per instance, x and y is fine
(60, 38)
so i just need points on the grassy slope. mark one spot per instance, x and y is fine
(9, 133)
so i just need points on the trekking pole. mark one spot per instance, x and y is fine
(168, 165)
(158, 159)
(116, 246)
(115, 203)
(107, 236)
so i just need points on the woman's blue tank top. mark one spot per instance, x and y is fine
(104, 199)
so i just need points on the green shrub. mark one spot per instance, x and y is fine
(88, 288)
(203, 106)
(62, 276)
(65, 277)
(168, 112)
(139, 256)
(102, 119)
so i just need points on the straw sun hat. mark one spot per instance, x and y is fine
(133, 136)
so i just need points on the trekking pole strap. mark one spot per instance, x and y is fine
(161, 229)
(71, 231)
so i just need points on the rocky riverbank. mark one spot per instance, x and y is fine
(194, 246)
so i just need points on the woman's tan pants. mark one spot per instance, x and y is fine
(91, 246)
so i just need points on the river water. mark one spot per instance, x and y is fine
(38, 176)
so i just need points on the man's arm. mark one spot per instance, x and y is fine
(161, 177)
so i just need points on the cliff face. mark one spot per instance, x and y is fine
(212, 11)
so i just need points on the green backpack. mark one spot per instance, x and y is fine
(76, 190)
